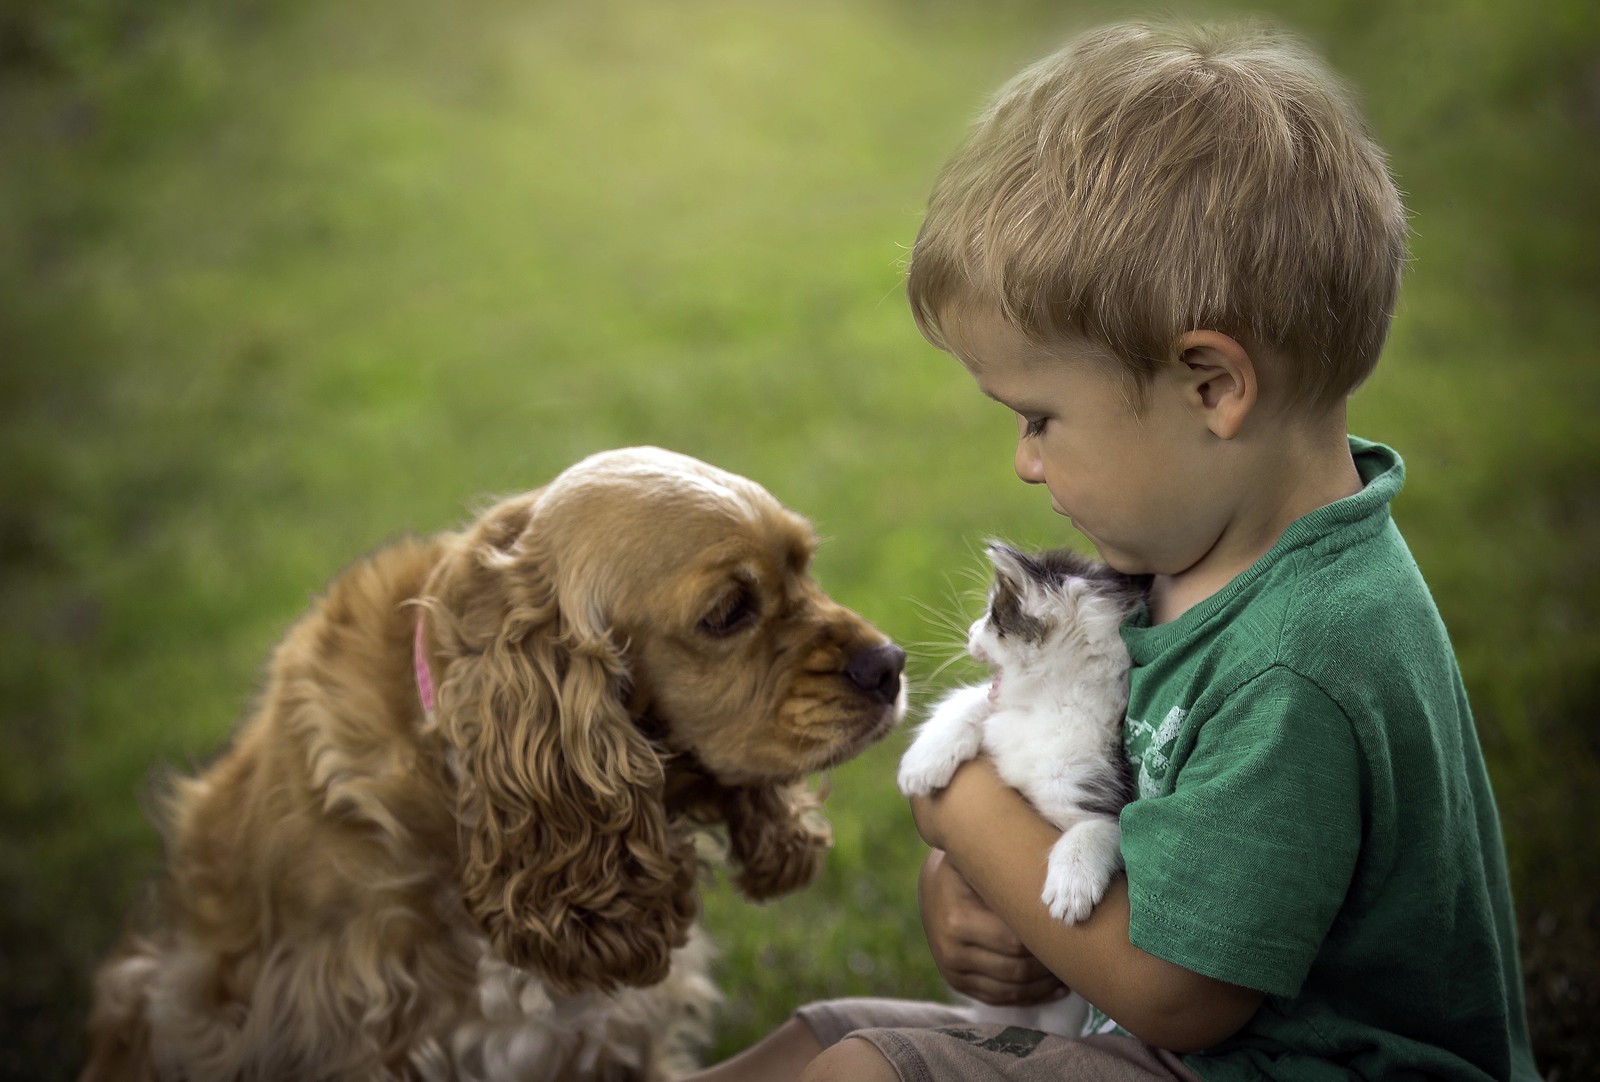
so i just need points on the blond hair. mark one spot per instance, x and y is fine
(1147, 181)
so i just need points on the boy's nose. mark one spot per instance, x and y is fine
(1028, 465)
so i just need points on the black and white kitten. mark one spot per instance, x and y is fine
(1050, 719)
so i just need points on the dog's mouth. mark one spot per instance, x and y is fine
(798, 762)
(880, 729)
(843, 715)
(880, 726)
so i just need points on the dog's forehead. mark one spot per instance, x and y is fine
(645, 473)
(690, 502)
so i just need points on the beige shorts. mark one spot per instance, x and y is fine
(934, 1042)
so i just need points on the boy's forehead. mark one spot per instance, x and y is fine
(1023, 389)
(1007, 365)
(978, 334)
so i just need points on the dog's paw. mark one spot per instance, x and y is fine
(1081, 865)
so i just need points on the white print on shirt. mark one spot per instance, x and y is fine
(1150, 761)
(1100, 1023)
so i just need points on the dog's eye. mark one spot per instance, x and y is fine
(736, 610)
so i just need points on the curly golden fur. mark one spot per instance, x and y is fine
(505, 885)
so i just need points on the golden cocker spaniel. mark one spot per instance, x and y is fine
(456, 838)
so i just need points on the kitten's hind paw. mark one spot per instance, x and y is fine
(1070, 898)
(1080, 868)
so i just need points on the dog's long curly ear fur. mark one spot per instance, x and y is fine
(568, 860)
(119, 1033)
(777, 836)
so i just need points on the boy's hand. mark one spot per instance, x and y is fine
(974, 949)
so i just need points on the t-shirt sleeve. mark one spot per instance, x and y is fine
(1239, 871)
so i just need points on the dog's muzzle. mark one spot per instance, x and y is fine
(876, 670)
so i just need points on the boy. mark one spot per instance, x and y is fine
(1173, 255)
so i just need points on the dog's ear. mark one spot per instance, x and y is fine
(777, 836)
(568, 860)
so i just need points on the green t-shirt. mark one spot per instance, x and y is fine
(1314, 819)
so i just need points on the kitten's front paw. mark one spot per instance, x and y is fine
(952, 734)
(928, 766)
(1080, 868)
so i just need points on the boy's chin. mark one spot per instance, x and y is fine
(1108, 558)
(1117, 561)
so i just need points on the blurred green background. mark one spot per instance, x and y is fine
(282, 279)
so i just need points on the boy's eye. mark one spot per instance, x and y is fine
(1034, 427)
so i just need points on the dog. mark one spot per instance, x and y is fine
(460, 836)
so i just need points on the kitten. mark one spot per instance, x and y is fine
(1050, 720)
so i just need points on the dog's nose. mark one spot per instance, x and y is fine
(876, 671)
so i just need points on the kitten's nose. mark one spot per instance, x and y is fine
(876, 671)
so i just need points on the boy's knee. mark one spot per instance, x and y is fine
(851, 1060)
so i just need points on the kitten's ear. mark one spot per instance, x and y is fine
(1010, 564)
(1013, 603)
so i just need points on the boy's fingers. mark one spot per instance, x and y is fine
(1006, 968)
(979, 963)
(998, 993)
(985, 931)
(977, 952)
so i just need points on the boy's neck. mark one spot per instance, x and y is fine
(1279, 479)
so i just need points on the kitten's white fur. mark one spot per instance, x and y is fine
(1051, 722)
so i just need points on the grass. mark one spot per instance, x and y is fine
(282, 280)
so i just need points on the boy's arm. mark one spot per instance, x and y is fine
(1000, 845)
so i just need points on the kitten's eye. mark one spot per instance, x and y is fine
(736, 610)
(1005, 610)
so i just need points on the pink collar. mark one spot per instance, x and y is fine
(419, 655)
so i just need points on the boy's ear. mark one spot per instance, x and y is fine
(1220, 383)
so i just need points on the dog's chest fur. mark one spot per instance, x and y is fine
(517, 1030)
